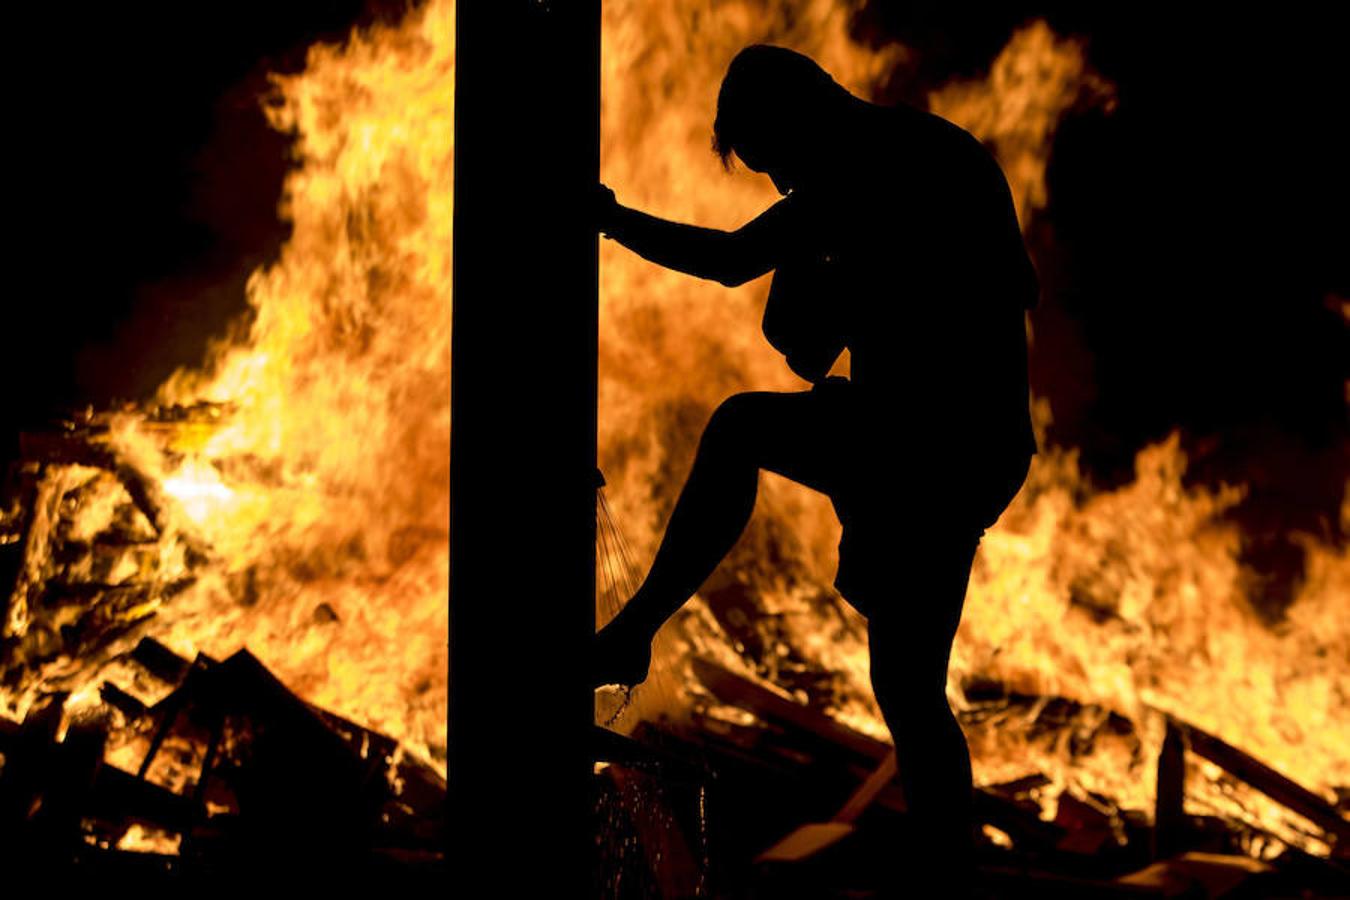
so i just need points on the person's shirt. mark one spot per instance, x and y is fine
(931, 282)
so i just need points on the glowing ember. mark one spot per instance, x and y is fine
(140, 839)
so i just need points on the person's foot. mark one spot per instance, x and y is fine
(620, 655)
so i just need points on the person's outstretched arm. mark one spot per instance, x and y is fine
(728, 257)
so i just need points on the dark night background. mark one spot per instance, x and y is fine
(1193, 251)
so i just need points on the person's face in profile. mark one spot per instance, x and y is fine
(764, 154)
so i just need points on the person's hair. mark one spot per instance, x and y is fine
(764, 83)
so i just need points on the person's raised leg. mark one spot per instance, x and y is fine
(784, 432)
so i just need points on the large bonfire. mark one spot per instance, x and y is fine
(300, 474)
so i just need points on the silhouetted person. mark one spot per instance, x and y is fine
(898, 239)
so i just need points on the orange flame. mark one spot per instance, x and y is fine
(322, 492)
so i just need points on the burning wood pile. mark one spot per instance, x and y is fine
(128, 755)
(783, 801)
(130, 758)
(127, 751)
(238, 772)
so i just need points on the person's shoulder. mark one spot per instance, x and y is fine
(910, 122)
(941, 134)
(919, 141)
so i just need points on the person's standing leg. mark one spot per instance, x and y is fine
(913, 586)
(912, 621)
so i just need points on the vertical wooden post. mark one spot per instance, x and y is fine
(523, 439)
(1169, 816)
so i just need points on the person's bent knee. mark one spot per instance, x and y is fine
(909, 687)
(732, 422)
(913, 703)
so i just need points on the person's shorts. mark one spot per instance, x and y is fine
(905, 498)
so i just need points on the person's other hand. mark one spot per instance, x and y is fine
(606, 204)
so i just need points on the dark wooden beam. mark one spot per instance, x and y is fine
(729, 687)
(1265, 779)
(523, 447)
(1169, 815)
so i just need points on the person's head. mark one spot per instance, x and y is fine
(775, 111)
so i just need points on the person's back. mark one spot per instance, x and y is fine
(936, 281)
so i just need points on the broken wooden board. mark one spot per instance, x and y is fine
(1209, 875)
(1278, 787)
(810, 839)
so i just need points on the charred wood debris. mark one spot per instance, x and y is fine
(222, 771)
(235, 771)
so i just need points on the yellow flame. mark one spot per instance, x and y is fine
(326, 489)
(319, 487)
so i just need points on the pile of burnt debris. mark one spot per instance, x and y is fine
(220, 770)
(796, 805)
(236, 773)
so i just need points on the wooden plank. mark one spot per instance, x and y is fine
(160, 661)
(767, 703)
(813, 837)
(119, 796)
(729, 687)
(805, 841)
(1007, 882)
(1200, 874)
(1278, 787)
(1169, 817)
(868, 790)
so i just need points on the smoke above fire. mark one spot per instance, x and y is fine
(309, 502)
